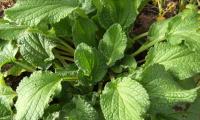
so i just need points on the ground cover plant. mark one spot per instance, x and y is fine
(100, 60)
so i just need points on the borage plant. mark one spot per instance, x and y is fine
(77, 61)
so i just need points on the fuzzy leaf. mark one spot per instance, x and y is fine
(183, 27)
(90, 62)
(5, 111)
(7, 53)
(113, 44)
(11, 32)
(33, 12)
(124, 99)
(6, 100)
(165, 93)
(123, 12)
(36, 49)
(34, 94)
(63, 28)
(179, 60)
(79, 109)
(84, 31)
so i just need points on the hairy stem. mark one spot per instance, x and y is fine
(27, 67)
(144, 47)
(139, 37)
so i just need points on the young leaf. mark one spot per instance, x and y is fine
(79, 109)
(32, 12)
(7, 53)
(84, 31)
(123, 12)
(11, 32)
(124, 99)
(179, 60)
(36, 49)
(183, 27)
(90, 62)
(164, 92)
(34, 94)
(113, 44)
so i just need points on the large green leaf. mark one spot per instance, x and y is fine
(179, 60)
(79, 109)
(113, 44)
(36, 49)
(165, 93)
(7, 53)
(84, 31)
(34, 94)
(32, 12)
(183, 27)
(90, 62)
(10, 31)
(123, 12)
(124, 99)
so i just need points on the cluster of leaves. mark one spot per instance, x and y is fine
(79, 57)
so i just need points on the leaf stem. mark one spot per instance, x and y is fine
(144, 47)
(139, 37)
(71, 50)
(60, 59)
(28, 68)
(70, 78)
(62, 52)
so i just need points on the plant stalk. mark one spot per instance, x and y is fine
(139, 37)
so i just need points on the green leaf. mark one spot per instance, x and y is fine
(113, 44)
(63, 28)
(87, 5)
(124, 99)
(10, 31)
(52, 112)
(5, 111)
(7, 53)
(37, 49)
(90, 62)
(123, 12)
(34, 94)
(84, 31)
(68, 72)
(193, 113)
(79, 109)
(165, 93)
(128, 62)
(32, 12)
(6, 100)
(179, 60)
(183, 27)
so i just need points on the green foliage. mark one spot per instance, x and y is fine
(113, 44)
(76, 60)
(90, 62)
(36, 92)
(7, 53)
(118, 11)
(36, 49)
(124, 98)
